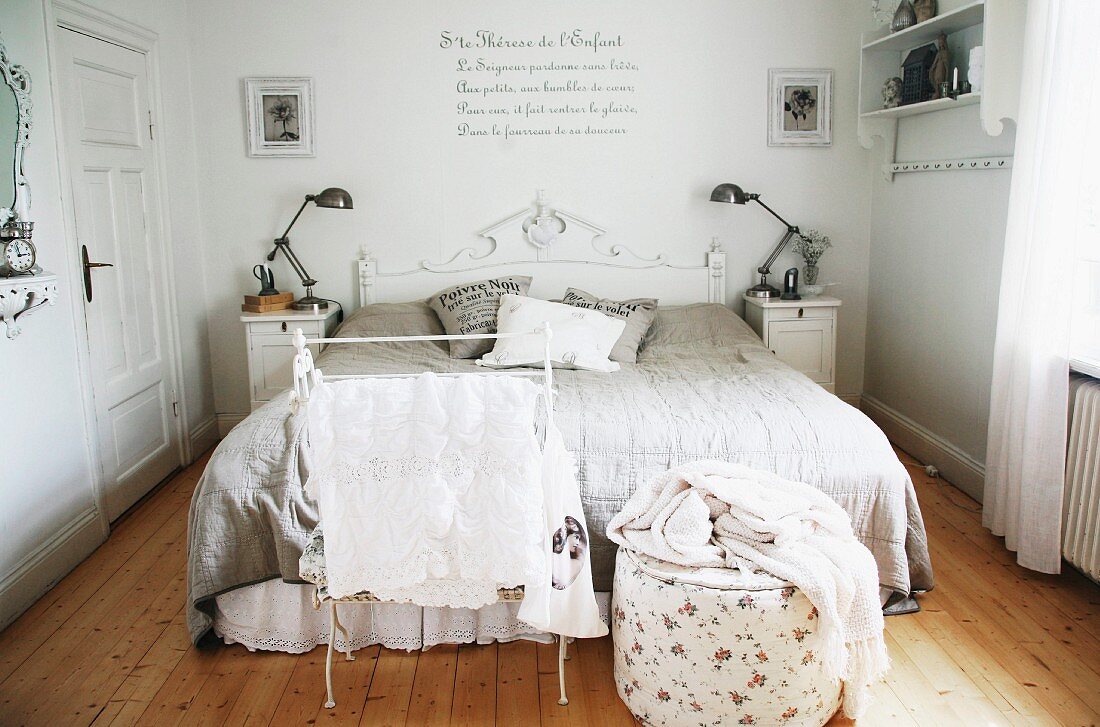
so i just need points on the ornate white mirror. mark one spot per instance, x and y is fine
(24, 286)
(15, 126)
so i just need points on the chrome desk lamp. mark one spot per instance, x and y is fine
(732, 193)
(333, 198)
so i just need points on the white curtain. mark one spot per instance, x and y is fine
(1059, 117)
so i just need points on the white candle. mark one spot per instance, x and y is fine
(955, 80)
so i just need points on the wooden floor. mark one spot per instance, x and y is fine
(995, 644)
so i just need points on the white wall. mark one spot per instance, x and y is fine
(45, 478)
(386, 132)
(48, 518)
(936, 244)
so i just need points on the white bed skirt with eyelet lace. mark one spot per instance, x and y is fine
(278, 616)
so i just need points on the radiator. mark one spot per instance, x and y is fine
(1081, 545)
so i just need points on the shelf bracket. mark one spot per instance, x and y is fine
(23, 295)
(885, 129)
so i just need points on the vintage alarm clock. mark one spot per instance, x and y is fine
(18, 256)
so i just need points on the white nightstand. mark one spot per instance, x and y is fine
(271, 351)
(802, 333)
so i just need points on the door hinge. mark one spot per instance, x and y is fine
(175, 408)
(150, 124)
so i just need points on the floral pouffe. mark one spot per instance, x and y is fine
(709, 646)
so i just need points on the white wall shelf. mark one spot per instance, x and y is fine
(924, 33)
(924, 107)
(997, 25)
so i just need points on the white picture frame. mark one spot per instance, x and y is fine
(800, 107)
(280, 117)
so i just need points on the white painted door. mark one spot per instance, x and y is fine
(112, 160)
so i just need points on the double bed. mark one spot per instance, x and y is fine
(704, 387)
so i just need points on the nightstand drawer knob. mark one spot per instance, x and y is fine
(284, 322)
(800, 312)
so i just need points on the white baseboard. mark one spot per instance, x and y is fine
(227, 422)
(204, 436)
(43, 568)
(955, 465)
(850, 399)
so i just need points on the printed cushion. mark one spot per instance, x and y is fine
(472, 308)
(715, 646)
(638, 313)
(581, 338)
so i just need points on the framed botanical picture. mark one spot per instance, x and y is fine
(280, 117)
(800, 107)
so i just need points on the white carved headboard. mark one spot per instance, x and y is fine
(559, 250)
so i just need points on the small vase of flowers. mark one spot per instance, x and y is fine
(811, 245)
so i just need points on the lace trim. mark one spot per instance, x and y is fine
(277, 616)
(482, 573)
(453, 465)
(488, 635)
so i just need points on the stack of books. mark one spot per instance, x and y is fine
(267, 303)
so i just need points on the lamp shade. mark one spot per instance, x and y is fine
(334, 197)
(728, 193)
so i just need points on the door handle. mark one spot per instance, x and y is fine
(88, 265)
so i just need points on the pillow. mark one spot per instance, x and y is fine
(393, 319)
(705, 324)
(638, 313)
(472, 308)
(581, 338)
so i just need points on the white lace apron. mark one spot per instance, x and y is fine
(429, 488)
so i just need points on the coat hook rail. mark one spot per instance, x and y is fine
(947, 165)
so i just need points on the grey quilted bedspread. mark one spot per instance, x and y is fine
(704, 387)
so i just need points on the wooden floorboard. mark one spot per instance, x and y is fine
(475, 686)
(389, 693)
(350, 685)
(300, 703)
(517, 684)
(995, 645)
(53, 610)
(434, 686)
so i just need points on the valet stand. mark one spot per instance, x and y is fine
(307, 377)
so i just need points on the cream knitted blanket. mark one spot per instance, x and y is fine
(716, 514)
